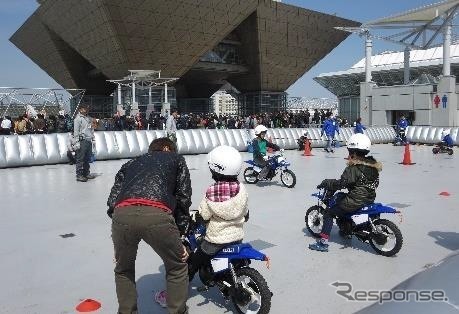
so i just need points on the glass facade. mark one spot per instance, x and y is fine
(223, 53)
(195, 105)
(258, 102)
(349, 108)
(99, 106)
(157, 98)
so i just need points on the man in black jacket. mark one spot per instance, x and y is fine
(360, 178)
(150, 201)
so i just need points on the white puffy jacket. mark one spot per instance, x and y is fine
(225, 218)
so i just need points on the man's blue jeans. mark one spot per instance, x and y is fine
(329, 142)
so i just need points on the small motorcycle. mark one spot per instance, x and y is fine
(277, 163)
(365, 224)
(400, 138)
(442, 149)
(229, 270)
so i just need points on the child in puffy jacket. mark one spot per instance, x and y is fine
(224, 207)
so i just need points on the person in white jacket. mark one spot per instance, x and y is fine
(224, 207)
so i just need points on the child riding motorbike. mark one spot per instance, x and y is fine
(360, 178)
(402, 124)
(224, 207)
(260, 145)
(447, 140)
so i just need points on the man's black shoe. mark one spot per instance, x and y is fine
(82, 179)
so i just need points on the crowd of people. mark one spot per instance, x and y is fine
(42, 123)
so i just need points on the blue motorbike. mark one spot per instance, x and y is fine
(229, 270)
(277, 164)
(365, 224)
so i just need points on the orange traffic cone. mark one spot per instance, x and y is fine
(88, 305)
(270, 150)
(307, 148)
(407, 156)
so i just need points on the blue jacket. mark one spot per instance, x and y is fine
(359, 128)
(448, 140)
(402, 124)
(329, 127)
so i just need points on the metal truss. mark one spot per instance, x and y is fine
(144, 79)
(303, 103)
(417, 34)
(20, 100)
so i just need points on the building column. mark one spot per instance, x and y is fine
(446, 50)
(166, 109)
(119, 94)
(368, 49)
(406, 68)
(133, 93)
(134, 105)
(149, 95)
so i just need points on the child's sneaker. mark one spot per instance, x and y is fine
(319, 246)
(160, 298)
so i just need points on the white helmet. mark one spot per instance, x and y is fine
(260, 129)
(225, 160)
(444, 133)
(359, 142)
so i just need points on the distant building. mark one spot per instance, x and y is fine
(224, 104)
(261, 47)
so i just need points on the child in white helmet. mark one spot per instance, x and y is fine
(260, 148)
(224, 207)
(360, 178)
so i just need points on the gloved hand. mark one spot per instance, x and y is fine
(265, 158)
(110, 212)
(323, 184)
(183, 228)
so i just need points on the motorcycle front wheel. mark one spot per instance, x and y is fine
(250, 175)
(450, 151)
(388, 239)
(314, 220)
(288, 178)
(254, 296)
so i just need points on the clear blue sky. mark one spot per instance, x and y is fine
(18, 70)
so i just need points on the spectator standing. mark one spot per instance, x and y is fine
(84, 134)
(40, 124)
(359, 128)
(171, 126)
(5, 126)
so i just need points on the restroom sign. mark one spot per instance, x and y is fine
(436, 101)
(443, 100)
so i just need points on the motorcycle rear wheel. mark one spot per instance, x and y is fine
(435, 150)
(389, 231)
(260, 295)
(288, 178)
(250, 175)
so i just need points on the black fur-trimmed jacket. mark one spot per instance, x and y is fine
(160, 176)
(360, 178)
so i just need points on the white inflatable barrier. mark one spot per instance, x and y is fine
(430, 134)
(42, 149)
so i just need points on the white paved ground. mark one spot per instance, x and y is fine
(45, 273)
